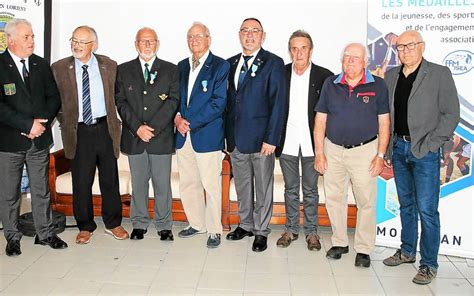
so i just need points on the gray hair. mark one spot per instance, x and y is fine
(300, 33)
(366, 51)
(206, 29)
(93, 32)
(10, 28)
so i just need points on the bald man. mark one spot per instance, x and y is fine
(424, 113)
(353, 151)
(147, 97)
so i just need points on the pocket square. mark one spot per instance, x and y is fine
(163, 96)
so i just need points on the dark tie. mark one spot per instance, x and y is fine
(243, 70)
(86, 97)
(26, 75)
(195, 63)
(146, 74)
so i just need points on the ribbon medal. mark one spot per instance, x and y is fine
(204, 85)
(152, 77)
(254, 69)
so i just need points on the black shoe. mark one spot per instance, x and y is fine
(13, 248)
(336, 252)
(238, 234)
(259, 243)
(137, 233)
(166, 235)
(53, 241)
(362, 260)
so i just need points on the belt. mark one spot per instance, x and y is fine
(96, 121)
(358, 145)
(404, 138)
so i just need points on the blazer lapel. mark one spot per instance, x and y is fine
(419, 78)
(233, 69)
(259, 62)
(14, 72)
(202, 73)
(154, 70)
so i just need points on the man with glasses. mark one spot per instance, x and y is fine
(351, 136)
(29, 101)
(256, 102)
(424, 113)
(90, 132)
(200, 135)
(147, 97)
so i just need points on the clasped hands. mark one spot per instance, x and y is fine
(37, 129)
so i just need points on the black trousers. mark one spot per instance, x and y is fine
(95, 149)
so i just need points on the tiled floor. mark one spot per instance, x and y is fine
(187, 267)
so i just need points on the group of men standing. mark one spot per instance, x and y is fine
(346, 127)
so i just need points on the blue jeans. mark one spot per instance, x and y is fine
(418, 183)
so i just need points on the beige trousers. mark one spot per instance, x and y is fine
(352, 165)
(199, 173)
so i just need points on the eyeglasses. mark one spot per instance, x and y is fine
(250, 30)
(347, 56)
(197, 36)
(410, 46)
(146, 42)
(79, 42)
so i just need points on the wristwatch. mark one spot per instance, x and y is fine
(381, 155)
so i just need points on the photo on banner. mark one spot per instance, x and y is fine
(448, 31)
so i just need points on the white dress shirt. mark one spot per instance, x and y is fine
(18, 64)
(193, 74)
(241, 62)
(298, 134)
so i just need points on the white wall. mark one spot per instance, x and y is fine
(332, 24)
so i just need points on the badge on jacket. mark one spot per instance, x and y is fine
(10, 89)
(163, 96)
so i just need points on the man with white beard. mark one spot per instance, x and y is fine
(90, 132)
(147, 97)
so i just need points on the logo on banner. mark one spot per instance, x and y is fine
(4, 19)
(459, 61)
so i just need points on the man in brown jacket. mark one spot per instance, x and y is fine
(90, 132)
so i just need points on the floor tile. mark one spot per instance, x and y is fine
(356, 284)
(267, 282)
(402, 271)
(50, 269)
(76, 287)
(440, 286)
(133, 275)
(345, 266)
(222, 280)
(229, 263)
(142, 257)
(92, 272)
(448, 270)
(164, 290)
(267, 265)
(117, 289)
(205, 292)
(394, 285)
(184, 260)
(466, 271)
(175, 277)
(312, 284)
(27, 285)
(5, 280)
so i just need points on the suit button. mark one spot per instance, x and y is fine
(144, 108)
(144, 92)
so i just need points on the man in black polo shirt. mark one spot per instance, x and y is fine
(425, 113)
(353, 114)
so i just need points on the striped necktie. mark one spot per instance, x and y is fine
(243, 70)
(25, 74)
(86, 97)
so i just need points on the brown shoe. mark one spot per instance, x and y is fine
(118, 232)
(83, 237)
(313, 242)
(286, 238)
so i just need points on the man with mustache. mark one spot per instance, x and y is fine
(254, 122)
(147, 97)
(90, 132)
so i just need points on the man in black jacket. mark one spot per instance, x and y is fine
(29, 101)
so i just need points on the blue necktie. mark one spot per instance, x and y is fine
(25, 74)
(86, 97)
(243, 70)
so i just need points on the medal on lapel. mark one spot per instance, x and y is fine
(254, 69)
(204, 85)
(153, 77)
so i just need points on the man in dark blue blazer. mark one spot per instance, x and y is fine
(29, 101)
(200, 135)
(254, 121)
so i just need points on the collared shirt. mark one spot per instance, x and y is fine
(402, 93)
(95, 85)
(193, 74)
(298, 134)
(241, 62)
(150, 64)
(18, 64)
(352, 117)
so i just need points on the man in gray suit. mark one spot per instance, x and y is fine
(147, 97)
(424, 112)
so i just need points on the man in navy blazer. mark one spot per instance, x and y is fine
(256, 98)
(200, 135)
